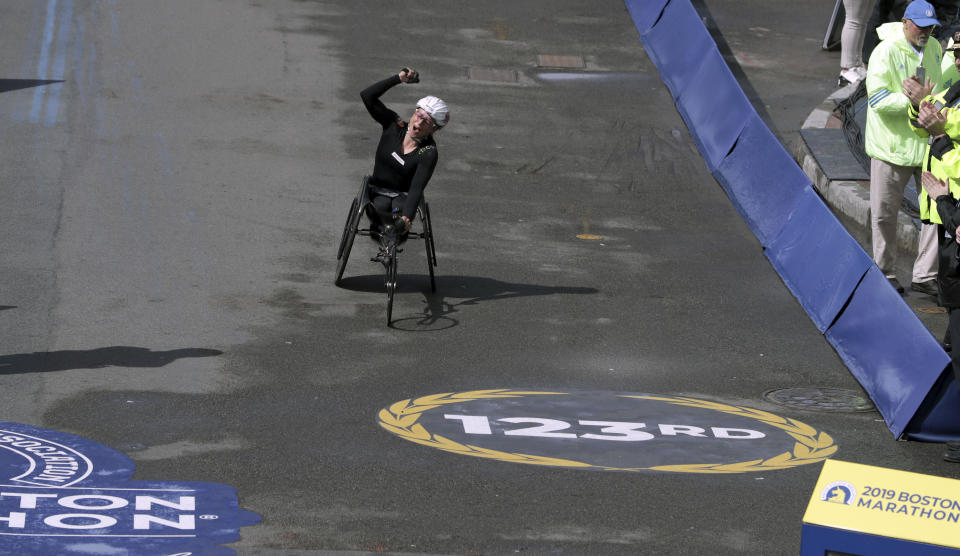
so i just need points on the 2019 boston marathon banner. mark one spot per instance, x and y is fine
(61, 494)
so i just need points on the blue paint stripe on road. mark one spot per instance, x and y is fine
(59, 63)
(49, 30)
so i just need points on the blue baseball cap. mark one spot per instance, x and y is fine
(921, 14)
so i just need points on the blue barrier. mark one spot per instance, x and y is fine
(936, 420)
(895, 358)
(715, 107)
(677, 44)
(818, 260)
(645, 13)
(762, 180)
(888, 350)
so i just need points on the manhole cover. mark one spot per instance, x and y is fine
(820, 399)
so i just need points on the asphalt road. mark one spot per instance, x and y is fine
(171, 208)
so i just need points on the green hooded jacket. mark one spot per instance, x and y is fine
(889, 136)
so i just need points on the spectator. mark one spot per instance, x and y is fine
(895, 150)
(948, 67)
(854, 30)
(948, 277)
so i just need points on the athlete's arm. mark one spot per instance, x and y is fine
(371, 99)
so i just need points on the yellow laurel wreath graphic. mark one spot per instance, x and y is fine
(401, 419)
(811, 447)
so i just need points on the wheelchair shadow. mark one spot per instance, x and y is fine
(453, 292)
(14, 84)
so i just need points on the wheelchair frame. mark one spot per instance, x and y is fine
(351, 229)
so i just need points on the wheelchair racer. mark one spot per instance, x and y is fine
(405, 158)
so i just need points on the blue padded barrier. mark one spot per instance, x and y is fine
(895, 358)
(645, 13)
(677, 44)
(715, 108)
(937, 418)
(888, 350)
(818, 260)
(761, 179)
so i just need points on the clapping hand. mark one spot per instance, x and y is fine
(915, 90)
(934, 186)
(931, 119)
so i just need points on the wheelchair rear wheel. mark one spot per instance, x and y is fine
(346, 239)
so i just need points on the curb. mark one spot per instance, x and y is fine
(848, 198)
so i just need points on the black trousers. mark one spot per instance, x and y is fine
(953, 332)
(381, 210)
(384, 207)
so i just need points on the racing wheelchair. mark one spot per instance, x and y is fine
(389, 243)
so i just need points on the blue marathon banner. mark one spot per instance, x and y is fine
(61, 494)
(883, 343)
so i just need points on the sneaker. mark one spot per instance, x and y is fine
(929, 287)
(953, 452)
(895, 283)
(850, 75)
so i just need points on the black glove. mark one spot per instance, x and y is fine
(412, 76)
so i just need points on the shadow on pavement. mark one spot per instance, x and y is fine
(467, 290)
(116, 356)
(14, 84)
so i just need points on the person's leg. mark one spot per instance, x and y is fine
(928, 253)
(926, 263)
(953, 329)
(853, 33)
(887, 182)
(397, 209)
(378, 207)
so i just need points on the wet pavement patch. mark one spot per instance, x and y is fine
(493, 75)
(555, 61)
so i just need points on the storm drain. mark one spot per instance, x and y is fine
(492, 74)
(820, 399)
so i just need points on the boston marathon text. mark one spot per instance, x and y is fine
(95, 511)
(911, 504)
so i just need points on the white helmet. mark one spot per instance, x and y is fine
(436, 108)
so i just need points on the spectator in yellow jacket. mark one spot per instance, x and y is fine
(903, 69)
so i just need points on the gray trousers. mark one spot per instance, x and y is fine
(887, 183)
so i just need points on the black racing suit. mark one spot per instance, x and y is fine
(398, 179)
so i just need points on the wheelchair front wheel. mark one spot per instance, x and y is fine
(391, 286)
